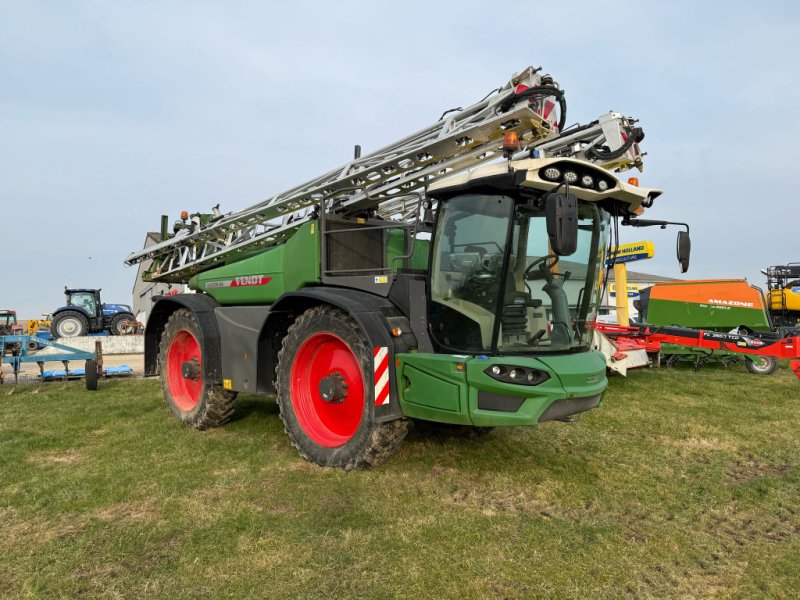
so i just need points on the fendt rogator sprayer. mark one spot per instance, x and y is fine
(416, 282)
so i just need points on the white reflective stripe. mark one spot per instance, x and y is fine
(381, 375)
(381, 383)
(382, 352)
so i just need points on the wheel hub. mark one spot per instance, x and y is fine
(190, 369)
(333, 388)
(327, 389)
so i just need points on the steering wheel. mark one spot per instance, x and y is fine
(545, 264)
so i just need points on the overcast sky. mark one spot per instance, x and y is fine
(112, 113)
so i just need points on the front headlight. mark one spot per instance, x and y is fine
(517, 375)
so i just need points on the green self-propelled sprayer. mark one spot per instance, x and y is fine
(451, 276)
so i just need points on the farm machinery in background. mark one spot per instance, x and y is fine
(40, 327)
(783, 294)
(85, 313)
(19, 346)
(452, 276)
(9, 326)
(723, 320)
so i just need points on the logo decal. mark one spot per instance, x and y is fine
(730, 302)
(243, 281)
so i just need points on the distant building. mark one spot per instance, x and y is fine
(145, 291)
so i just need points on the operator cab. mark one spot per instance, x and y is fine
(499, 282)
(83, 299)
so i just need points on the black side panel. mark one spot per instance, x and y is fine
(240, 327)
(408, 294)
(375, 315)
(203, 308)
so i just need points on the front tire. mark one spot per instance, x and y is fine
(187, 395)
(761, 365)
(69, 324)
(324, 394)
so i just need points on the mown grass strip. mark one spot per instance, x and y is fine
(683, 484)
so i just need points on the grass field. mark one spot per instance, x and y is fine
(682, 485)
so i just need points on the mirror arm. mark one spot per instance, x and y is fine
(652, 223)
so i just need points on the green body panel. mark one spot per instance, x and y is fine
(433, 387)
(705, 316)
(266, 275)
(395, 246)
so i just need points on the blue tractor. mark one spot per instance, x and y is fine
(85, 314)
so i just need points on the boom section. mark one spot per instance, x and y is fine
(460, 140)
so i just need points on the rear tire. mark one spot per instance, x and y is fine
(120, 324)
(190, 399)
(761, 365)
(325, 351)
(69, 324)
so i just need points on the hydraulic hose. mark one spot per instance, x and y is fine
(543, 91)
(635, 135)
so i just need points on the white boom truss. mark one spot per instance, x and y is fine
(382, 181)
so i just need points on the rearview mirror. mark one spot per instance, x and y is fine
(562, 223)
(684, 250)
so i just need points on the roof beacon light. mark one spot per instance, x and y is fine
(633, 181)
(510, 143)
(184, 215)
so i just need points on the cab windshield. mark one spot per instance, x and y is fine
(84, 300)
(497, 287)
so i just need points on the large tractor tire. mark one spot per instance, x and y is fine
(324, 393)
(761, 365)
(69, 324)
(122, 323)
(187, 395)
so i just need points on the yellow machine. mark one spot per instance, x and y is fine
(35, 325)
(783, 294)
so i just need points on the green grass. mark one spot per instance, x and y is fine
(682, 485)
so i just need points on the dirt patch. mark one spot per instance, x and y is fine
(66, 458)
(142, 511)
(698, 445)
(17, 531)
(536, 500)
(743, 471)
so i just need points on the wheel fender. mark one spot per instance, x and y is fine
(62, 309)
(202, 307)
(376, 316)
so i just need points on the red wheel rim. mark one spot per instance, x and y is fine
(329, 424)
(185, 392)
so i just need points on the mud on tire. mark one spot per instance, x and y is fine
(192, 400)
(325, 354)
